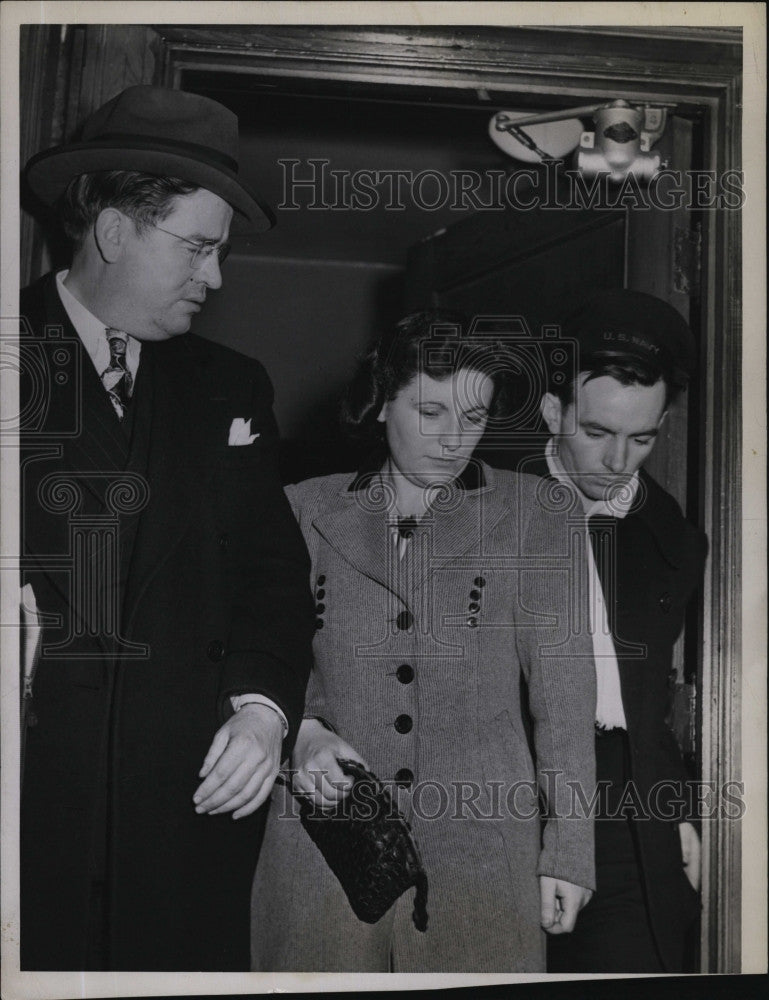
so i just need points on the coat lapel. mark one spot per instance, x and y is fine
(79, 416)
(457, 525)
(358, 530)
(73, 444)
(457, 531)
(187, 422)
(665, 530)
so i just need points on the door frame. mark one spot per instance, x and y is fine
(699, 69)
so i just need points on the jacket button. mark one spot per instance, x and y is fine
(404, 620)
(405, 673)
(404, 724)
(404, 777)
(666, 603)
(321, 593)
(474, 607)
(215, 650)
(475, 595)
(321, 580)
(472, 622)
(479, 581)
(224, 542)
(320, 608)
(318, 624)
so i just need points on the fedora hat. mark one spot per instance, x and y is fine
(160, 131)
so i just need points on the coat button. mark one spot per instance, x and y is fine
(321, 580)
(404, 724)
(405, 673)
(318, 624)
(321, 593)
(479, 581)
(224, 542)
(215, 650)
(472, 622)
(404, 777)
(404, 620)
(320, 608)
(475, 595)
(666, 602)
(474, 607)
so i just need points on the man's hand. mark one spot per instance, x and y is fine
(317, 775)
(691, 849)
(241, 764)
(561, 902)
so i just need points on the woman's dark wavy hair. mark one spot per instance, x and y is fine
(434, 342)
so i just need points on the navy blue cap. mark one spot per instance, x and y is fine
(636, 324)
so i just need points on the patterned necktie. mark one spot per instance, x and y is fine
(116, 378)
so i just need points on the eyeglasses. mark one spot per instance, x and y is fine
(202, 252)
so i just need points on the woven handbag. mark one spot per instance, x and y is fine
(368, 845)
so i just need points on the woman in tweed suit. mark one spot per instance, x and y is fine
(438, 581)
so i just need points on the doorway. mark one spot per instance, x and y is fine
(339, 295)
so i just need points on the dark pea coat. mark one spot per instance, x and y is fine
(658, 560)
(417, 667)
(172, 575)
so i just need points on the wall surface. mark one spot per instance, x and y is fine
(307, 322)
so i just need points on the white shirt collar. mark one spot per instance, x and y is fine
(92, 331)
(617, 506)
(609, 710)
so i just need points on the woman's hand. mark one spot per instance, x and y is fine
(316, 774)
(561, 902)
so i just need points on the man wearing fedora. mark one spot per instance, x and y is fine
(635, 355)
(160, 559)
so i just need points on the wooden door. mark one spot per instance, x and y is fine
(537, 264)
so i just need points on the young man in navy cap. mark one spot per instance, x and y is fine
(160, 558)
(645, 562)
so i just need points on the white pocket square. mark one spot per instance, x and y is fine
(240, 432)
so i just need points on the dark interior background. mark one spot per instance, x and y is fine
(308, 297)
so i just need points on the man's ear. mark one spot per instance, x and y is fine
(552, 411)
(110, 232)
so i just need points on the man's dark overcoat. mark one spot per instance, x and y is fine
(657, 564)
(174, 576)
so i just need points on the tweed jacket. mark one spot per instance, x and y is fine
(417, 663)
(173, 576)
